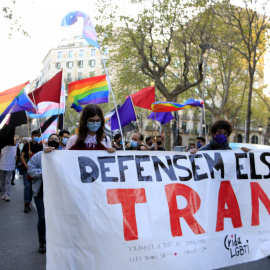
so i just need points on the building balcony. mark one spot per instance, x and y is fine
(68, 80)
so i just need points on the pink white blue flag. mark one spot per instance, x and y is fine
(89, 32)
(46, 109)
(51, 129)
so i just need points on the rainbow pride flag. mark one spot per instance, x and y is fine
(165, 106)
(91, 90)
(14, 100)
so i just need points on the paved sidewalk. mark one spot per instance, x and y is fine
(18, 231)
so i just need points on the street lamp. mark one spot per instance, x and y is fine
(260, 130)
(204, 46)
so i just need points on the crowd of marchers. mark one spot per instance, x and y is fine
(26, 163)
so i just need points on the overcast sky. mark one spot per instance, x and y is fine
(21, 57)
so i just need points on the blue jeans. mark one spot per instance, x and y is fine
(28, 193)
(41, 227)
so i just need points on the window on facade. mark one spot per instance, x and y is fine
(254, 139)
(239, 138)
(184, 126)
(92, 63)
(92, 74)
(80, 75)
(68, 77)
(80, 63)
(70, 54)
(66, 86)
(59, 54)
(69, 64)
(58, 65)
(106, 51)
(93, 52)
(81, 53)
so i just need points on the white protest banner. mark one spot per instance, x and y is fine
(7, 160)
(156, 210)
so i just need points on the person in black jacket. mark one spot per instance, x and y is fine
(220, 131)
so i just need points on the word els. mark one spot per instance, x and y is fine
(235, 245)
(172, 168)
(227, 203)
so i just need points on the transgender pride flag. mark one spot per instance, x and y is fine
(89, 32)
(46, 109)
(52, 128)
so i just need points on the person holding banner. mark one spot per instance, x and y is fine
(91, 130)
(35, 171)
(220, 131)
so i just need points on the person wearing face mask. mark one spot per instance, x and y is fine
(28, 151)
(35, 171)
(91, 130)
(136, 141)
(118, 143)
(159, 146)
(200, 141)
(220, 131)
(149, 143)
(63, 136)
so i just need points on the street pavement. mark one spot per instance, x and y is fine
(19, 239)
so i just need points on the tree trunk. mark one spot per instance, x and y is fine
(247, 126)
(167, 135)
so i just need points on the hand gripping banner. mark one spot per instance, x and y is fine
(156, 211)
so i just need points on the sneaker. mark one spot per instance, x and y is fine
(7, 199)
(12, 183)
(42, 248)
(26, 209)
(3, 197)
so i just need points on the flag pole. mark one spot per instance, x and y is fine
(110, 88)
(28, 131)
(156, 126)
(205, 133)
(135, 114)
(58, 119)
(38, 121)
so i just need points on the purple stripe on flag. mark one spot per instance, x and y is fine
(96, 101)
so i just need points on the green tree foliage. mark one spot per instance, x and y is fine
(7, 8)
(156, 46)
(250, 24)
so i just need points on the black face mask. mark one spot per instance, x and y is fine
(159, 142)
(53, 144)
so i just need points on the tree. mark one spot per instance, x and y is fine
(251, 26)
(153, 47)
(7, 9)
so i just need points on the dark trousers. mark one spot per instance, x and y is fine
(41, 227)
(27, 188)
(13, 176)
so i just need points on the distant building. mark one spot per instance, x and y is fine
(76, 57)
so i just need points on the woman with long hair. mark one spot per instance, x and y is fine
(91, 131)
